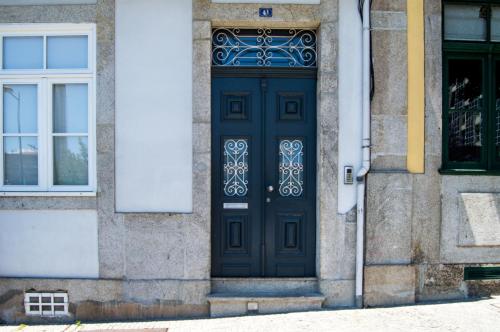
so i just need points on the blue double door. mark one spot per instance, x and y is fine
(263, 175)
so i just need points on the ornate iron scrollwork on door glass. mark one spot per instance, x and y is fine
(291, 168)
(235, 167)
(264, 47)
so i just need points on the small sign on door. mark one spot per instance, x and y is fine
(235, 206)
(265, 12)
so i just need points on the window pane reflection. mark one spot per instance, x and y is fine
(67, 52)
(465, 104)
(22, 52)
(20, 161)
(465, 22)
(71, 160)
(495, 23)
(70, 107)
(20, 108)
(497, 114)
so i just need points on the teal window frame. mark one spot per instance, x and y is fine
(489, 53)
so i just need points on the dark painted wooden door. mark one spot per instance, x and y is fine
(263, 176)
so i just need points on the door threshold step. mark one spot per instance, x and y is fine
(240, 304)
(265, 285)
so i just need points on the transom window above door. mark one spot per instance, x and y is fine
(264, 47)
(47, 122)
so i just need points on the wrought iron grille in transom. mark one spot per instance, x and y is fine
(264, 47)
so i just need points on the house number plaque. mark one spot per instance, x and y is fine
(265, 12)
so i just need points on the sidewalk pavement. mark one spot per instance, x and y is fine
(471, 316)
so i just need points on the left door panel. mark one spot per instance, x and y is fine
(236, 177)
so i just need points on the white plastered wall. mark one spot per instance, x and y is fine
(306, 2)
(350, 103)
(45, 2)
(48, 243)
(153, 106)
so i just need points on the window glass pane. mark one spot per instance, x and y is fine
(497, 113)
(70, 160)
(291, 168)
(465, 22)
(20, 104)
(70, 108)
(495, 23)
(235, 167)
(20, 161)
(67, 52)
(465, 104)
(23, 52)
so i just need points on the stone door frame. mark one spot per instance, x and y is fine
(334, 261)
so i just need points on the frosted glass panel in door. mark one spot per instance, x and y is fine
(291, 168)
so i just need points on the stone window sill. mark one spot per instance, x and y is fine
(46, 194)
(469, 172)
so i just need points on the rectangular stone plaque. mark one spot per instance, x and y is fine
(479, 219)
(236, 206)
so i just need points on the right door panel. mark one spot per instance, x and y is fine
(290, 169)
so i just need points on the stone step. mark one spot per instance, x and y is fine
(265, 285)
(239, 304)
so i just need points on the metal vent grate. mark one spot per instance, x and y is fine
(46, 304)
(482, 273)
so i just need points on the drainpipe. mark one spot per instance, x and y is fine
(365, 167)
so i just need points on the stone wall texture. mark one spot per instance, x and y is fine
(431, 224)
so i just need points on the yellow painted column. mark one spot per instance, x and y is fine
(415, 161)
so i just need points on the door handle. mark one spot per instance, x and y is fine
(270, 189)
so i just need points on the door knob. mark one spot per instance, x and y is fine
(270, 189)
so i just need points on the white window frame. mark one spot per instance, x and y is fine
(52, 304)
(46, 78)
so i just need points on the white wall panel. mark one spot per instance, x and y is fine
(311, 2)
(45, 2)
(153, 106)
(350, 103)
(48, 244)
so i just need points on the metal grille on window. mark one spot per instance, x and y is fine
(291, 168)
(264, 47)
(235, 167)
(465, 102)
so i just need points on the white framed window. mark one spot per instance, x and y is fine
(47, 108)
